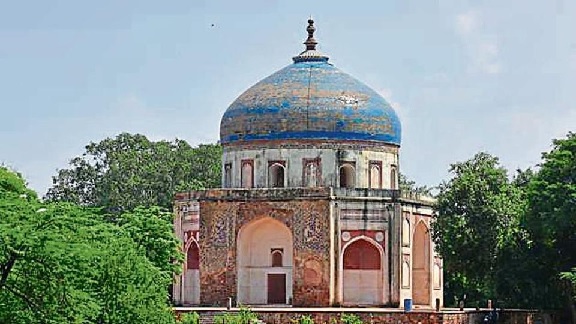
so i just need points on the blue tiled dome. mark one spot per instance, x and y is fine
(310, 100)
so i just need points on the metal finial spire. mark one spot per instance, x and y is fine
(310, 41)
(310, 54)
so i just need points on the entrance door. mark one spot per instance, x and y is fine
(277, 288)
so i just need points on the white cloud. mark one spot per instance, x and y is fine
(482, 48)
(467, 22)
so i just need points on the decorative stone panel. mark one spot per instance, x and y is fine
(308, 220)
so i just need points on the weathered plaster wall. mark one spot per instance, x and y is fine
(412, 215)
(330, 161)
(321, 221)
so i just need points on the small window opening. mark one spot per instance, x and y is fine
(276, 175)
(347, 178)
(277, 256)
(228, 175)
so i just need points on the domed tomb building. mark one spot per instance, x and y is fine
(309, 213)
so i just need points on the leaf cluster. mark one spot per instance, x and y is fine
(510, 240)
(60, 263)
(130, 170)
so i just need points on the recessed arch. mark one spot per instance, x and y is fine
(362, 272)
(193, 257)
(406, 231)
(257, 243)
(375, 175)
(347, 175)
(421, 264)
(393, 178)
(277, 256)
(276, 175)
(247, 174)
(191, 275)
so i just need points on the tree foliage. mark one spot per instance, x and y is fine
(477, 215)
(129, 170)
(60, 263)
(151, 230)
(551, 219)
(511, 240)
(409, 186)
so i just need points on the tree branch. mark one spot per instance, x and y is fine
(31, 304)
(6, 268)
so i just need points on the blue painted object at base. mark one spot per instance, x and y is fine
(407, 305)
(310, 100)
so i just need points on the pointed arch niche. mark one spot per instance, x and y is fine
(191, 276)
(362, 272)
(264, 252)
(421, 265)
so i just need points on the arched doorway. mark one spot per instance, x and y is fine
(264, 263)
(192, 275)
(421, 265)
(362, 273)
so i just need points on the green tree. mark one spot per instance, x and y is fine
(151, 229)
(551, 219)
(60, 263)
(129, 170)
(409, 186)
(477, 216)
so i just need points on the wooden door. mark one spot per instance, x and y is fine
(277, 288)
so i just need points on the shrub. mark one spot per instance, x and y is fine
(244, 316)
(189, 318)
(304, 319)
(350, 319)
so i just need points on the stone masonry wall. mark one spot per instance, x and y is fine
(308, 220)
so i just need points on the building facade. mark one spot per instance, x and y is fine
(309, 213)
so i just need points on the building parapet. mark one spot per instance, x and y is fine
(299, 193)
(240, 194)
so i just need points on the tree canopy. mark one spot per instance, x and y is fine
(551, 220)
(477, 215)
(130, 170)
(60, 263)
(511, 239)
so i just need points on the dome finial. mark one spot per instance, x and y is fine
(310, 54)
(310, 41)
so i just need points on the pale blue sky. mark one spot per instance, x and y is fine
(464, 76)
